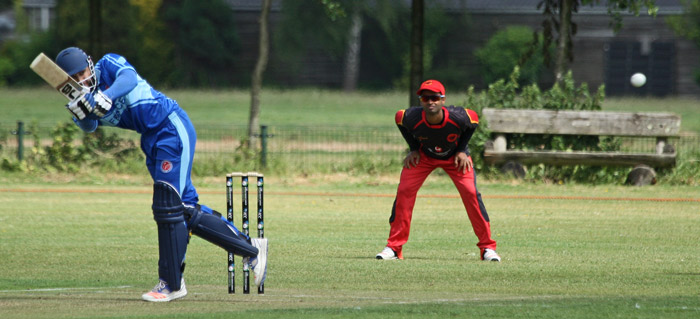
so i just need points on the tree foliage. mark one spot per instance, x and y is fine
(688, 26)
(117, 34)
(205, 41)
(504, 50)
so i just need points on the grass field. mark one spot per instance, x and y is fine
(89, 251)
(85, 246)
(303, 107)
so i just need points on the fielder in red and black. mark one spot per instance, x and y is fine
(438, 137)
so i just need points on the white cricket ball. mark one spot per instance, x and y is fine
(638, 79)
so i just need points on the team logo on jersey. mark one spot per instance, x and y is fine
(452, 137)
(166, 166)
(437, 150)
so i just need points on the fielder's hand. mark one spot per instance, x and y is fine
(100, 103)
(463, 162)
(412, 159)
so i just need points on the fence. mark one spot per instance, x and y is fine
(317, 148)
(295, 147)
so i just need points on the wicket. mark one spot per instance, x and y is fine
(245, 224)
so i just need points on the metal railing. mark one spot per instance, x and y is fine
(295, 146)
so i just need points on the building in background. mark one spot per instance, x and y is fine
(644, 44)
(601, 56)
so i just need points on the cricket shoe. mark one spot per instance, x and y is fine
(490, 255)
(258, 263)
(161, 292)
(387, 254)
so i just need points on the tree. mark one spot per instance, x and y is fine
(352, 55)
(331, 22)
(501, 53)
(688, 26)
(256, 82)
(416, 75)
(155, 47)
(559, 28)
(97, 26)
(205, 42)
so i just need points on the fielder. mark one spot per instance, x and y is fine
(438, 137)
(117, 96)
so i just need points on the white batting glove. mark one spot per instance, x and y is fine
(101, 103)
(79, 107)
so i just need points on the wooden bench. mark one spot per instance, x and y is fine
(598, 123)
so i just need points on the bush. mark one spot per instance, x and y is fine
(108, 152)
(507, 49)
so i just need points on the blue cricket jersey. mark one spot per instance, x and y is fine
(142, 109)
(168, 137)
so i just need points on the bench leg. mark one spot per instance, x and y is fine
(660, 145)
(499, 143)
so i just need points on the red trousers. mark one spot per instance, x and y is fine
(411, 181)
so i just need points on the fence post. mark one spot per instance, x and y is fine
(263, 145)
(20, 140)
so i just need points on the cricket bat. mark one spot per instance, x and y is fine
(56, 77)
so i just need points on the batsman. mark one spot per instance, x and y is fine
(115, 95)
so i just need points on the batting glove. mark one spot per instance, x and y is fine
(79, 107)
(100, 103)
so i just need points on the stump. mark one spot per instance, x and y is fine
(515, 169)
(641, 175)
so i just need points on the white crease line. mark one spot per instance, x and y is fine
(64, 289)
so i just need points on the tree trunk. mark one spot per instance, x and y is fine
(416, 76)
(564, 39)
(95, 46)
(352, 57)
(256, 82)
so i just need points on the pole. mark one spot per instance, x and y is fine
(20, 140)
(263, 145)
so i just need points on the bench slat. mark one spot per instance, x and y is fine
(582, 122)
(581, 158)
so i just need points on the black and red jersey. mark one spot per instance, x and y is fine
(441, 140)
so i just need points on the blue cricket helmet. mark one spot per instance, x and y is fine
(73, 60)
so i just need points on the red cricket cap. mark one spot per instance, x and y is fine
(432, 85)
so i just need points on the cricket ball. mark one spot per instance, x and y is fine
(638, 79)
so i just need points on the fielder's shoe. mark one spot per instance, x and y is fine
(386, 254)
(490, 255)
(161, 292)
(259, 263)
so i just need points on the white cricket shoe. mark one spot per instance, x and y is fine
(387, 254)
(259, 263)
(161, 292)
(490, 255)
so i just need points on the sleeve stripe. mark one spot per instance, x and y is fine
(473, 117)
(399, 117)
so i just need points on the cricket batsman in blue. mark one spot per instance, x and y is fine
(115, 95)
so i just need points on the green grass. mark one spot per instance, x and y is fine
(85, 246)
(77, 252)
(301, 107)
